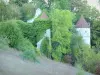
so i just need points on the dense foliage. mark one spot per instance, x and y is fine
(12, 31)
(95, 31)
(28, 11)
(9, 11)
(65, 40)
(61, 25)
(45, 47)
(19, 2)
(35, 31)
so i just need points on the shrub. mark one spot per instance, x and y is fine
(83, 54)
(30, 55)
(91, 60)
(88, 58)
(16, 39)
(28, 49)
(11, 30)
(24, 45)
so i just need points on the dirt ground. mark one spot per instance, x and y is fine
(12, 64)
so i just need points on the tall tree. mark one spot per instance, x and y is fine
(19, 2)
(80, 7)
(95, 34)
(61, 24)
(53, 4)
(9, 11)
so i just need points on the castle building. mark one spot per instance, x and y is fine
(83, 28)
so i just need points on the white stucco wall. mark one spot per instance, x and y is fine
(85, 33)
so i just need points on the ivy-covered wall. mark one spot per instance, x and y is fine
(35, 31)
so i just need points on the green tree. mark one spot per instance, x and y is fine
(19, 2)
(80, 7)
(53, 4)
(61, 4)
(9, 11)
(95, 32)
(28, 11)
(61, 35)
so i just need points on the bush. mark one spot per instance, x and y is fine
(28, 49)
(30, 55)
(16, 39)
(24, 45)
(14, 30)
(83, 54)
(11, 30)
(91, 60)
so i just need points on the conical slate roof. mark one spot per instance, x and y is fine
(43, 16)
(82, 23)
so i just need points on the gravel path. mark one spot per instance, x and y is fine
(12, 64)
